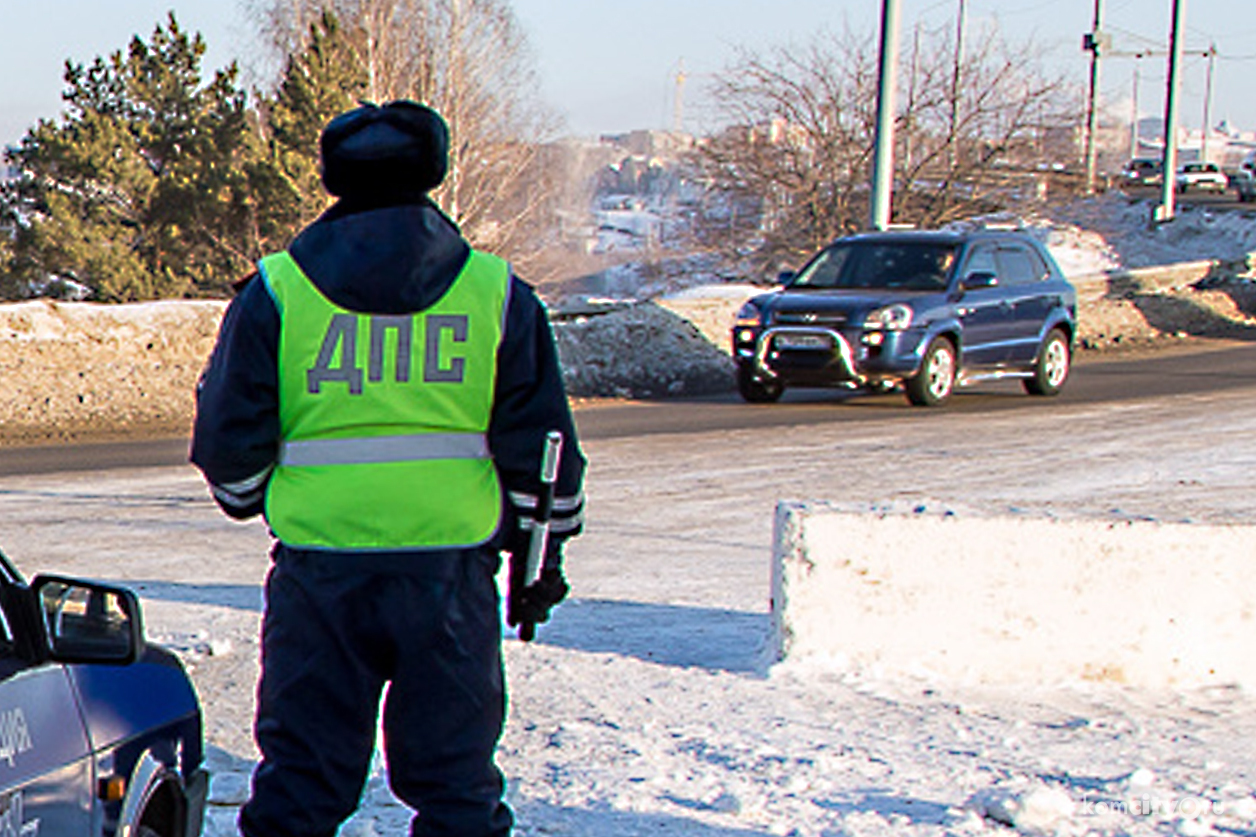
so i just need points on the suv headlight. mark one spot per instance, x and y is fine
(891, 318)
(749, 315)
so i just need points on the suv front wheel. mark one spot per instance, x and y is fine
(754, 389)
(934, 383)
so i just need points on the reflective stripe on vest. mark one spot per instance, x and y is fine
(382, 449)
(384, 417)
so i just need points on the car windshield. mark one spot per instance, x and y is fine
(912, 266)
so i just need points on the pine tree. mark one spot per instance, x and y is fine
(320, 81)
(140, 189)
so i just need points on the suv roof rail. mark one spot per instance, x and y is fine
(1001, 226)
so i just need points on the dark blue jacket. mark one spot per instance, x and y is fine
(385, 259)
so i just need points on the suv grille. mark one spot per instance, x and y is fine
(806, 318)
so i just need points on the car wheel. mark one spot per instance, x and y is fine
(754, 389)
(1052, 367)
(934, 383)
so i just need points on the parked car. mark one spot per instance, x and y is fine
(1201, 175)
(1145, 171)
(100, 733)
(1244, 184)
(927, 311)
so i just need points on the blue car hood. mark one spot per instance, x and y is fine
(850, 302)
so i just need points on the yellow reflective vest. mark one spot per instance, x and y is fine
(384, 418)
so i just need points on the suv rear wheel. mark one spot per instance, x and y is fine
(934, 383)
(1052, 367)
(754, 389)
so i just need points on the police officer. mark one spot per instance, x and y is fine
(382, 393)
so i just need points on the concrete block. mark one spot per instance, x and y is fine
(1014, 598)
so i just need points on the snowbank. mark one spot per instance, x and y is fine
(643, 351)
(1130, 240)
(1014, 598)
(80, 368)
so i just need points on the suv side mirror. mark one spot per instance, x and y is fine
(978, 281)
(88, 622)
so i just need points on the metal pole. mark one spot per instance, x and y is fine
(1092, 107)
(956, 74)
(1134, 113)
(1165, 211)
(883, 161)
(1203, 143)
(910, 124)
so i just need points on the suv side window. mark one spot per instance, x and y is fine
(981, 260)
(1017, 266)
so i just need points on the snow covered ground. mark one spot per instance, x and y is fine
(646, 707)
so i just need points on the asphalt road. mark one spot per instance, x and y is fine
(1093, 381)
(1207, 369)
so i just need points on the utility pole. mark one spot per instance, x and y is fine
(1134, 109)
(678, 105)
(956, 74)
(883, 160)
(1094, 43)
(1203, 143)
(1164, 212)
(910, 123)
(1209, 53)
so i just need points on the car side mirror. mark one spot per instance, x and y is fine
(978, 281)
(786, 276)
(89, 622)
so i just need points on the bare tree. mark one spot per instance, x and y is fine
(788, 173)
(989, 141)
(469, 59)
(793, 170)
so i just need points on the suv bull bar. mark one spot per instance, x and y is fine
(841, 346)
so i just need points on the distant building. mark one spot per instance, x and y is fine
(649, 143)
(1227, 145)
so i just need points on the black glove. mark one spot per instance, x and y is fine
(531, 605)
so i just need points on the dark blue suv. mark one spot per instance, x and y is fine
(927, 311)
(100, 734)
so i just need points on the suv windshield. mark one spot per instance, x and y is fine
(912, 266)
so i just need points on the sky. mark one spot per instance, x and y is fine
(609, 66)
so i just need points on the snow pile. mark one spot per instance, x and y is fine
(1130, 240)
(1077, 251)
(81, 367)
(1111, 232)
(1039, 809)
(643, 351)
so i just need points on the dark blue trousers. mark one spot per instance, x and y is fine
(340, 630)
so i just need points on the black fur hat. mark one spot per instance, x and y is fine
(382, 151)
